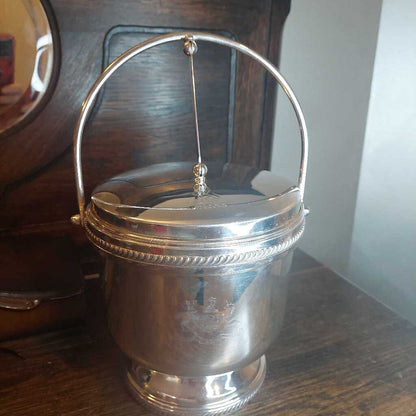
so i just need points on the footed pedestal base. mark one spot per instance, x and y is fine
(197, 396)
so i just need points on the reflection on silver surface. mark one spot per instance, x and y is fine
(156, 204)
(26, 59)
(196, 321)
(13, 301)
(196, 270)
(196, 396)
(160, 40)
(195, 296)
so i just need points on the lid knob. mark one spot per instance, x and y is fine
(190, 48)
(200, 187)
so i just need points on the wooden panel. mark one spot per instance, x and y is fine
(149, 100)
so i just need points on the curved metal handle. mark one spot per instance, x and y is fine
(88, 103)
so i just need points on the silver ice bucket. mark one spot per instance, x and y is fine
(196, 265)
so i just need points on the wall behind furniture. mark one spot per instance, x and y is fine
(382, 259)
(327, 57)
(352, 66)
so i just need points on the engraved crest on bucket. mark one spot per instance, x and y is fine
(196, 261)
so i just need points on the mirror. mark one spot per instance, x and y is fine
(27, 60)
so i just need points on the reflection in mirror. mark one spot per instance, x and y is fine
(26, 59)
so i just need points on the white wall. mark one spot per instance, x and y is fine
(361, 114)
(327, 57)
(383, 251)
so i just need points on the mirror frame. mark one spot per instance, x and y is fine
(56, 64)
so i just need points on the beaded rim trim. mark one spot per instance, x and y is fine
(195, 261)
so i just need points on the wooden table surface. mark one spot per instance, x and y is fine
(340, 353)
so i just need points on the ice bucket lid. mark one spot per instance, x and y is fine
(152, 214)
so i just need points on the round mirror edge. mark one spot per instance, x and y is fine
(56, 65)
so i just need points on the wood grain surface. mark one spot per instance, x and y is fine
(339, 353)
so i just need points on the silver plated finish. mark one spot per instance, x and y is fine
(195, 260)
(196, 266)
(159, 40)
(26, 301)
(190, 48)
(200, 172)
(196, 321)
(196, 396)
(14, 302)
(234, 224)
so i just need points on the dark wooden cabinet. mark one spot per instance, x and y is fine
(143, 116)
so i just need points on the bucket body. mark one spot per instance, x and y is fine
(197, 261)
(195, 321)
(195, 285)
